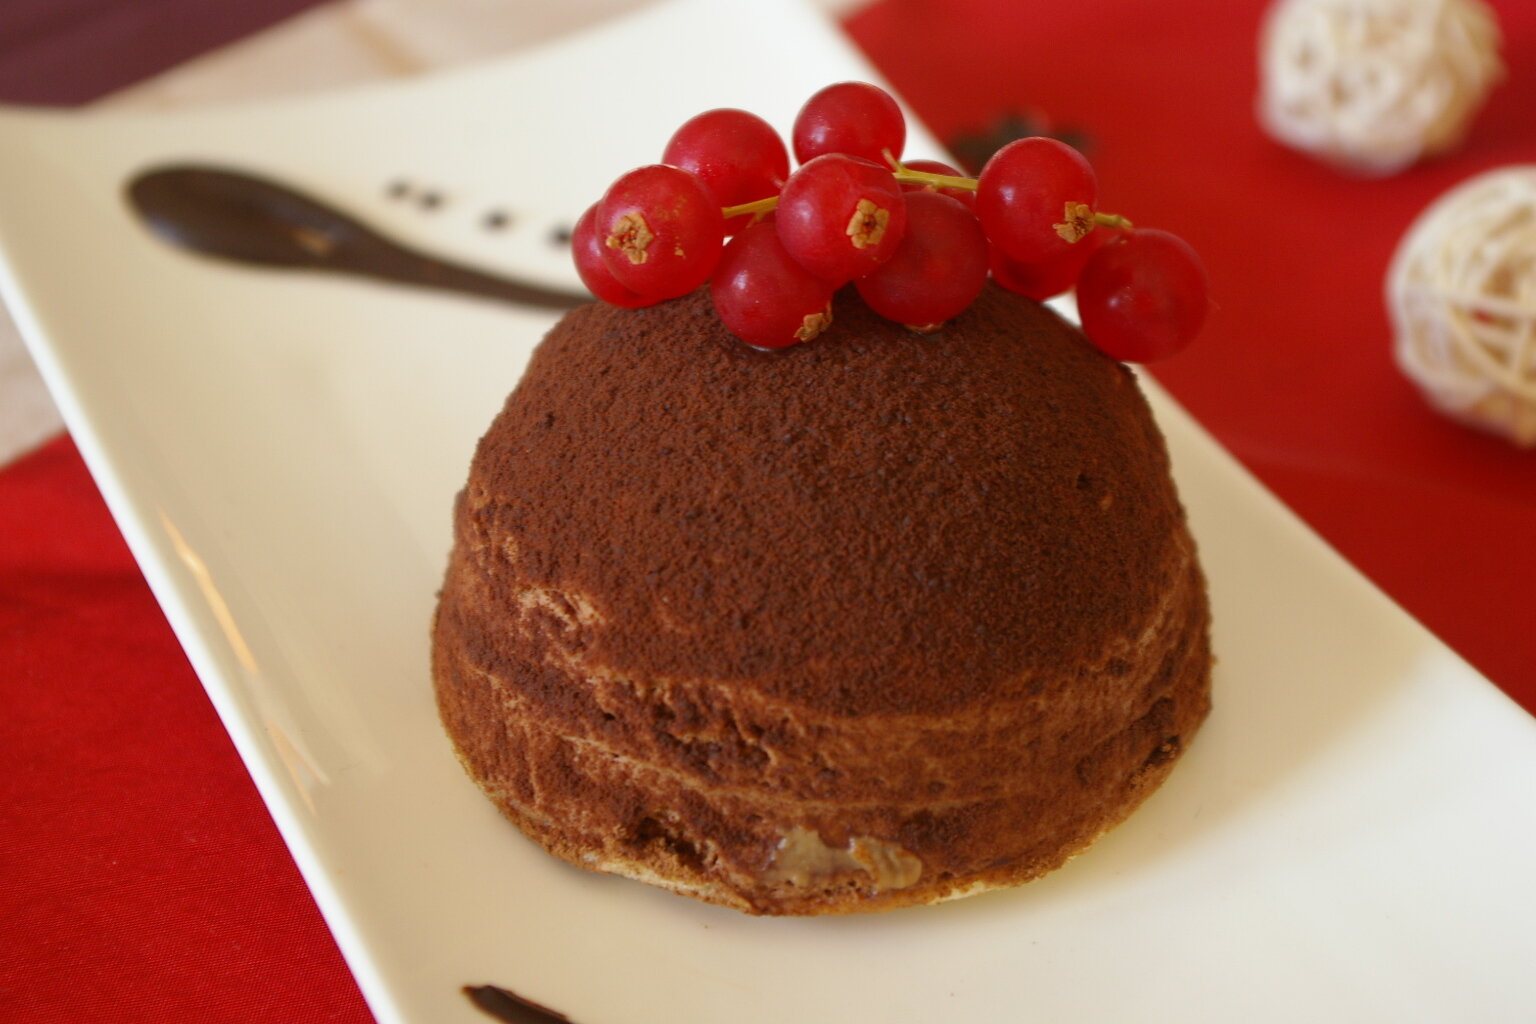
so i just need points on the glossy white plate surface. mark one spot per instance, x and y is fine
(1351, 838)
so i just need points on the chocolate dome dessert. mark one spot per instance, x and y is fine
(879, 620)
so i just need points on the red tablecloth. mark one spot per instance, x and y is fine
(1294, 372)
(140, 878)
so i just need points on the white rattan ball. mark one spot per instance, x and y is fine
(1462, 295)
(1375, 85)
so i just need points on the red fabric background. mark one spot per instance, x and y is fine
(1294, 372)
(140, 878)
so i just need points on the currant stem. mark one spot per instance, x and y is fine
(906, 175)
(909, 176)
(754, 207)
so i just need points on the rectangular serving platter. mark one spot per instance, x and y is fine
(1351, 837)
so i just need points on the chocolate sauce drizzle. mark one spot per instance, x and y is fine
(508, 1006)
(249, 219)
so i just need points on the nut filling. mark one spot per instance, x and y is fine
(804, 859)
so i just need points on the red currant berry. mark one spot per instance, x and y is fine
(850, 117)
(841, 216)
(1035, 197)
(763, 296)
(736, 154)
(1143, 296)
(965, 195)
(593, 270)
(661, 231)
(1041, 281)
(937, 271)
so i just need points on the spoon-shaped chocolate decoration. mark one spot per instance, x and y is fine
(508, 1006)
(249, 219)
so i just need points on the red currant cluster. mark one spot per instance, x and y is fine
(918, 240)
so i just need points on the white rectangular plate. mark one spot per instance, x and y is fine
(1351, 838)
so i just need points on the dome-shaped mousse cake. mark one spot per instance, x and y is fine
(878, 620)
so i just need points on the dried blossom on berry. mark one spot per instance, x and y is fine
(1076, 223)
(868, 224)
(813, 325)
(631, 236)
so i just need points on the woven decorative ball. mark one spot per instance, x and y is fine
(1375, 85)
(1462, 295)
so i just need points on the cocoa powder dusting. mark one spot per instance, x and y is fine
(922, 517)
